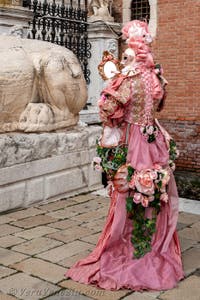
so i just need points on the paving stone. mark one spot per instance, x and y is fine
(64, 213)
(181, 226)
(64, 224)
(97, 214)
(24, 213)
(71, 234)
(57, 205)
(68, 295)
(37, 245)
(197, 272)
(6, 229)
(97, 225)
(36, 232)
(6, 297)
(42, 269)
(23, 286)
(69, 261)
(64, 251)
(93, 291)
(4, 271)
(191, 233)
(10, 240)
(191, 260)
(142, 296)
(186, 243)
(5, 219)
(91, 238)
(34, 221)
(196, 225)
(83, 198)
(8, 257)
(188, 219)
(189, 289)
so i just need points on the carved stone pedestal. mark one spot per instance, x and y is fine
(102, 37)
(47, 166)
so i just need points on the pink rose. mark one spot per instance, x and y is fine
(97, 160)
(164, 197)
(137, 198)
(144, 182)
(150, 129)
(166, 177)
(145, 201)
(157, 167)
(151, 198)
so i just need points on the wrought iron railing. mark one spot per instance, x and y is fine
(64, 24)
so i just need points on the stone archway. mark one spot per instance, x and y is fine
(126, 15)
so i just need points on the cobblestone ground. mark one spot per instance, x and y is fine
(39, 243)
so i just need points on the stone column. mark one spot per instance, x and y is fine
(102, 37)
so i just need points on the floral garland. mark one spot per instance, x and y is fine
(150, 132)
(146, 188)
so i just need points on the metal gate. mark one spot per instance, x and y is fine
(64, 24)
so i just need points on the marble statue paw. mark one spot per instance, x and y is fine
(36, 117)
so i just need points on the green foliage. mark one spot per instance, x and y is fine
(131, 171)
(143, 228)
(112, 158)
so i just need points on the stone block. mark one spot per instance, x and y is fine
(26, 287)
(36, 246)
(6, 229)
(11, 196)
(187, 289)
(191, 260)
(36, 232)
(34, 191)
(63, 182)
(10, 240)
(34, 221)
(94, 292)
(142, 296)
(71, 234)
(64, 251)
(8, 257)
(4, 271)
(42, 269)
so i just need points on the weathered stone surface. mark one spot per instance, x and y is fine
(9, 194)
(187, 218)
(186, 243)
(27, 287)
(10, 240)
(94, 292)
(24, 213)
(67, 250)
(37, 68)
(191, 233)
(6, 297)
(64, 224)
(4, 271)
(8, 257)
(71, 234)
(191, 260)
(36, 232)
(39, 268)
(6, 229)
(69, 261)
(143, 296)
(36, 246)
(187, 289)
(66, 294)
(34, 221)
(56, 205)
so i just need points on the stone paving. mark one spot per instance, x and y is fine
(39, 243)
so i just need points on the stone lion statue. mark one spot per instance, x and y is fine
(42, 87)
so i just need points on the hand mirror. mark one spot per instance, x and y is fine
(109, 66)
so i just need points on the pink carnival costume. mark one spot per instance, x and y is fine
(138, 248)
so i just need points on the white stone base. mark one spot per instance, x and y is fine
(48, 166)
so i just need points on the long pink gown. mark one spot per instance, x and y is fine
(111, 265)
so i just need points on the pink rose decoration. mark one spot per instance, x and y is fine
(164, 197)
(137, 198)
(165, 178)
(145, 201)
(157, 167)
(97, 160)
(144, 182)
(150, 129)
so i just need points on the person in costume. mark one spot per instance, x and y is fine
(138, 248)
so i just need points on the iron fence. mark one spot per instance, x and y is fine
(64, 24)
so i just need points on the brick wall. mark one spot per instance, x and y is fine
(177, 48)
